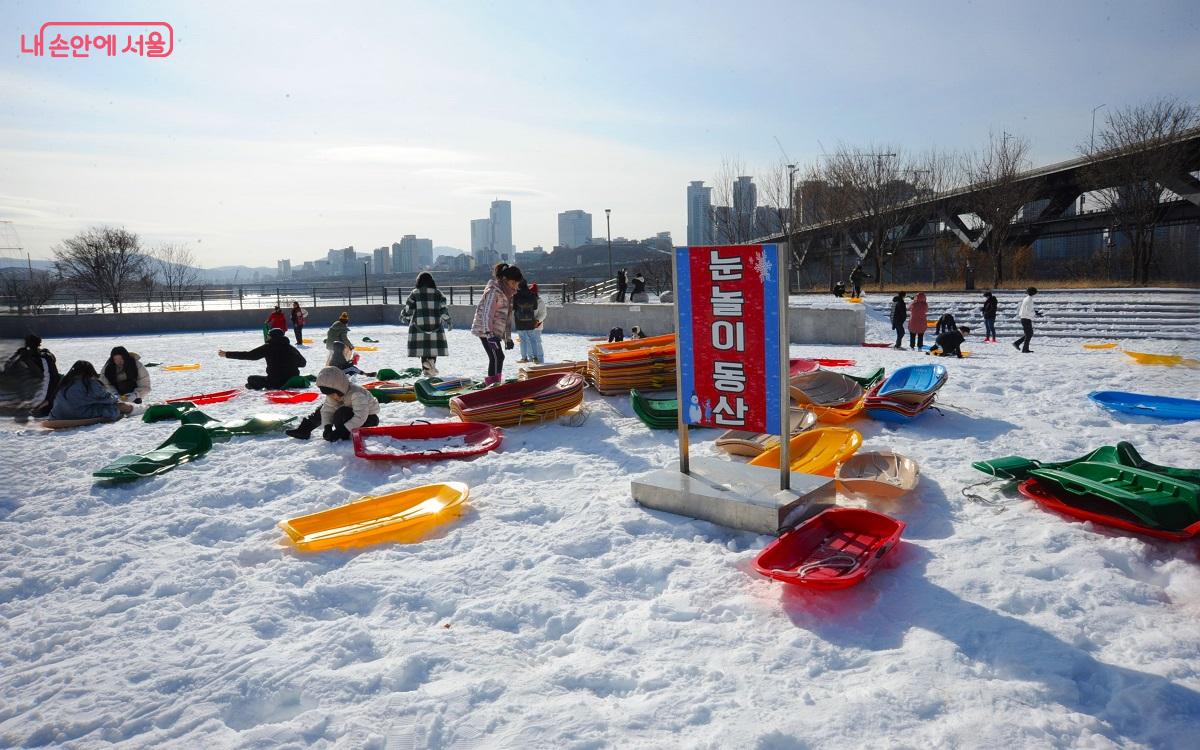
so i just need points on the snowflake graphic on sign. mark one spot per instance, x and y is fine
(763, 267)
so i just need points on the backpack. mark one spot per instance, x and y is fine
(524, 306)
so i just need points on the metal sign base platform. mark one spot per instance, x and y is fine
(736, 495)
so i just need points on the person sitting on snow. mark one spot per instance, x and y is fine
(636, 333)
(616, 334)
(29, 380)
(81, 395)
(347, 407)
(283, 361)
(949, 344)
(124, 376)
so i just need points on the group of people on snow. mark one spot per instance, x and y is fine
(33, 387)
(637, 294)
(949, 336)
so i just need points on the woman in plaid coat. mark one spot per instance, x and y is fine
(428, 319)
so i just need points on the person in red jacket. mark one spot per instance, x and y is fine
(275, 320)
(917, 321)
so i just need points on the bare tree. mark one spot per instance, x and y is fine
(999, 193)
(728, 227)
(175, 268)
(1136, 152)
(105, 261)
(28, 292)
(657, 274)
(871, 186)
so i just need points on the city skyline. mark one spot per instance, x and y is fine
(250, 148)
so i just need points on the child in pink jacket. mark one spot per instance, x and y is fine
(492, 319)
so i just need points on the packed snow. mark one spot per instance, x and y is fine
(555, 612)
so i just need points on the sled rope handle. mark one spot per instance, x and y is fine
(977, 498)
(833, 561)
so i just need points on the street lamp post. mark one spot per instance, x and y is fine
(791, 215)
(608, 228)
(366, 294)
(1094, 110)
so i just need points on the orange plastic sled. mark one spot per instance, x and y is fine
(178, 368)
(816, 451)
(405, 516)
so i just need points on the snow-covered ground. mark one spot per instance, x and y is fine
(557, 613)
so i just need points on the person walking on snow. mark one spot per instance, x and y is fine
(492, 322)
(428, 318)
(1026, 313)
(337, 342)
(124, 376)
(990, 303)
(899, 314)
(917, 321)
(299, 315)
(346, 407)
(283, 361)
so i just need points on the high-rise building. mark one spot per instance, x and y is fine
(381, 261)
(574, 228)
(333, 260)
(396, 262)
(699, 208)
(745, 200)
(283, 269)
(407, 255)
(768, 221)
(424, 253)
(501, 224)
(723, 225)
(481, 238)
(350, 264)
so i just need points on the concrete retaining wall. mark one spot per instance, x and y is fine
(845, 324)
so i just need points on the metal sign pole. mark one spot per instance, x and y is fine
(684, 467)
(785, 396)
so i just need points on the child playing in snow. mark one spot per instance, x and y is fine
(949, 344)
(347, 407)
(493, 321)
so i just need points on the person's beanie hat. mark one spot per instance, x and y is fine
(345, 316)
(276, 332)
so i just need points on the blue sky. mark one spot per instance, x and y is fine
(282, 129)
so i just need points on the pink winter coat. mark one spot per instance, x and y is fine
(917, 313)
(491, 315)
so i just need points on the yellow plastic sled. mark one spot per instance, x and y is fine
(1169, 360)
(1104, 345)
(404, 516)
(816, 451)
(361, 348)
(178, 368)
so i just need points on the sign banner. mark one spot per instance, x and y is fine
(730, 352)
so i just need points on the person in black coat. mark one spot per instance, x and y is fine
(29, 380)
(990, 303)
(622, 285)
(949, 343)
(283, 361)
(899, 315)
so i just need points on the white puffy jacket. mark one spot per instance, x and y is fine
(356, 397)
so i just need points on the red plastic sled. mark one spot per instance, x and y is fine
(1096, 510)
(291, 397)
(200, 399)
(476, 439)
(802, 366)
(878, 346)
(834, 549)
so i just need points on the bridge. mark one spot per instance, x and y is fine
(1055, 192)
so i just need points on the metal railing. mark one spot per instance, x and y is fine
(260, 296)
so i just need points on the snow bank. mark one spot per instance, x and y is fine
(557, 613)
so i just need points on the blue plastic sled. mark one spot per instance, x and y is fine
(1161, 407)
(914, 379)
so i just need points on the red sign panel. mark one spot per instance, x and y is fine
(729, 336)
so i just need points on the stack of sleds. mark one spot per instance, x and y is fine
(833, 396)
(644, 364)
(579, 367)
(907, 393)
(656, 412)
(521, 402)
(1113, 486)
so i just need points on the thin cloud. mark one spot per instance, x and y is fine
(386, 154)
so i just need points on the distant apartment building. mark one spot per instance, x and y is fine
(424, 253)
(481, 238)
(745, 201)
(767, 221)
(381, 261)
(350, 264)
(283, 269)
(500, 217)
(699, 212)
(395, 267)
(574, 228)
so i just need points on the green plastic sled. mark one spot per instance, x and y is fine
(429, 394)
(388, 373)
(300, 381)
(655, 413)
(867, 381)
(1158, 501)
(186, 443)
(1122, 454)
(164, 412)
(258, 424)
